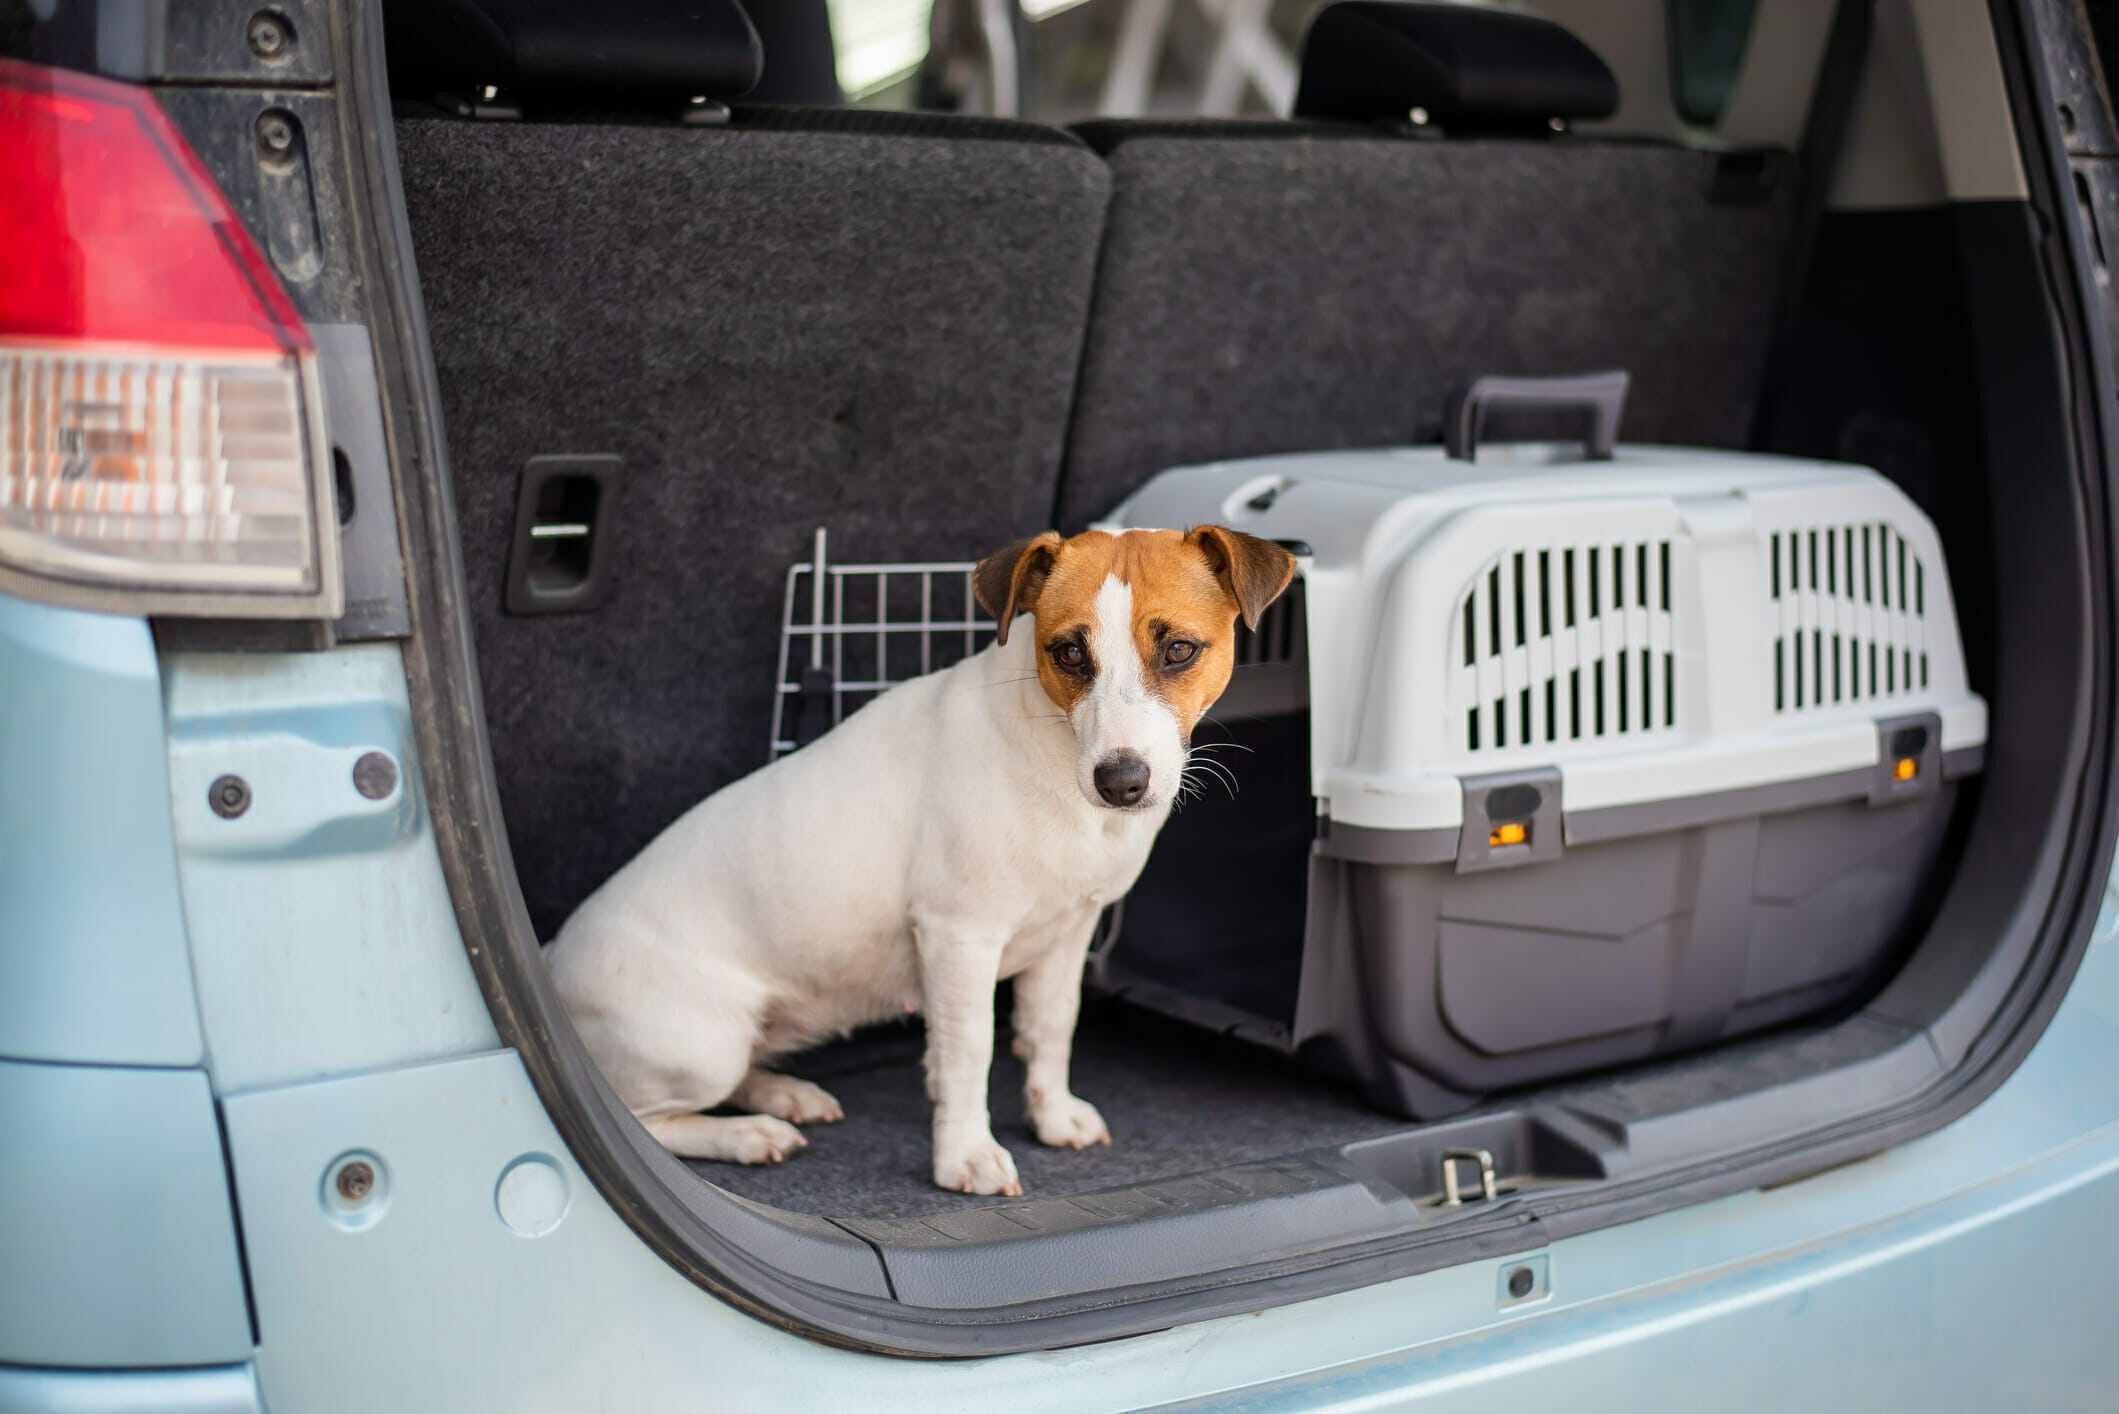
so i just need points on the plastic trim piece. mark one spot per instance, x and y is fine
(373, 565)
(578, 543)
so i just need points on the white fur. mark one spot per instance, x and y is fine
(940, 839)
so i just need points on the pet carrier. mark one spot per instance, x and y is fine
(1556, 760)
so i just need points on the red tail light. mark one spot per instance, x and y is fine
(159, 426)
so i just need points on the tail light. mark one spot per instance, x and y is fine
(161, 444)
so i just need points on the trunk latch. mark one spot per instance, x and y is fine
(1453, 1196)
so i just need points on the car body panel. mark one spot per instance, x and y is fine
(323, 937)
(91, 934)
(117, 1239)
(220, 1389)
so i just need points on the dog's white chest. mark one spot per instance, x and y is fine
(1103, 859)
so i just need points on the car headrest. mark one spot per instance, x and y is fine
(1471, 69)
(609, 53)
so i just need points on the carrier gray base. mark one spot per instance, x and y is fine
(1432, 988)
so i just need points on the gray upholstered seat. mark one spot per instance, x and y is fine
(870, 322)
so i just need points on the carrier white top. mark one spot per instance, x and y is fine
(1669, 623)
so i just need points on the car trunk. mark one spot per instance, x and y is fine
(931, 337)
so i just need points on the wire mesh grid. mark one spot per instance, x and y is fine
(847, 632)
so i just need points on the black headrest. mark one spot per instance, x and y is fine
(620, 53)
(1470, 68)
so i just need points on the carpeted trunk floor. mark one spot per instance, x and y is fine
(1177, 1100)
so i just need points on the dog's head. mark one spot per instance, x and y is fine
(1135, 639)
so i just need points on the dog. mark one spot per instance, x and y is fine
(964, 827)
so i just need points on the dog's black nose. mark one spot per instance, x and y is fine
(1122, 779)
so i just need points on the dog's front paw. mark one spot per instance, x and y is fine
(975, 1165)
(1065, 1122)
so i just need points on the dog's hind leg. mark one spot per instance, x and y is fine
(785, 1097)
(735, 1139)
(689, 1052)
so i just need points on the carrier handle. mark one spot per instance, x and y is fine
(1599, 397)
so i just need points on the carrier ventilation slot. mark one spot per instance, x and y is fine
(1848, 617)
(1567, 643)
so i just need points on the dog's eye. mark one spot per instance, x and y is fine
(1179, 651)
(1070, 655)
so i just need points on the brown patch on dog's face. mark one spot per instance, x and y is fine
(1135, 632)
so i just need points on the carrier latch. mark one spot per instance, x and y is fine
(1510, 818)
(1908, 758)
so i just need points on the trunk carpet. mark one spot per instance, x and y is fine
(1177, 1100)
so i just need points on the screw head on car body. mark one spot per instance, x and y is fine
(375, 775)
(275, 133)
(271, 38)
(355, 1191)
(356, 1181)
(229, 796)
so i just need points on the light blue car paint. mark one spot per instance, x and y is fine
(117, 1235)
(115, 1222)
(92, 961)
(222, 1390)
(322, 936)
(1958, 1271)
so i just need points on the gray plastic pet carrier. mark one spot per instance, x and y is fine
(1555, 760)
(1546, 762)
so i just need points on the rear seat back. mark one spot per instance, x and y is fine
(865, 322)
(1271, 287)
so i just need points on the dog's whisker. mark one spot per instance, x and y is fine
(1209, 768)
(1198, 770)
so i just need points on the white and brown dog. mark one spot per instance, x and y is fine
(964, 827)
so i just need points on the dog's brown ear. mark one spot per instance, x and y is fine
(1007, 581)
(1254, 571)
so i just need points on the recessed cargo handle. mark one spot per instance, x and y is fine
(1598, 397)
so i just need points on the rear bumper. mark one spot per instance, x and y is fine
(1954, 1272)
(1958, 1268)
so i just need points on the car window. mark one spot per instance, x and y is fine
(1707, 39)
(1061, 61)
